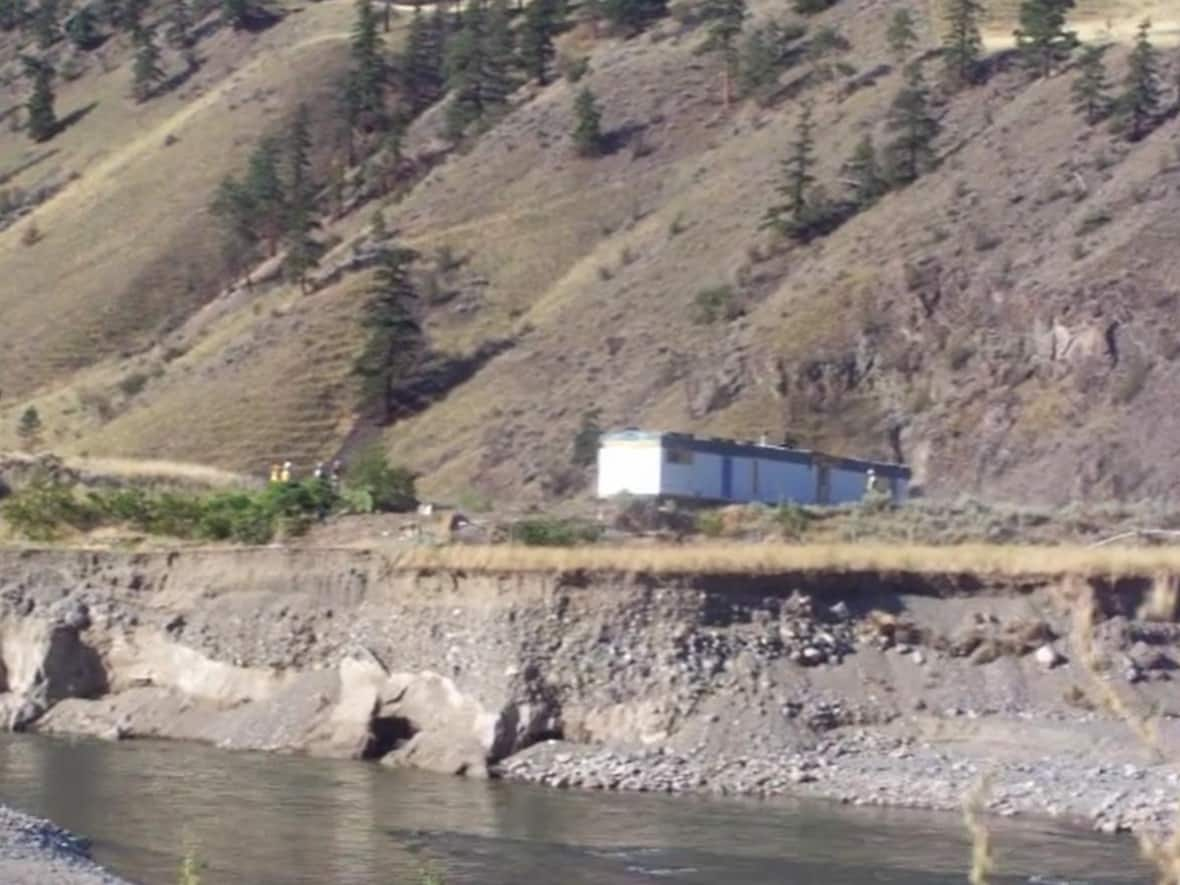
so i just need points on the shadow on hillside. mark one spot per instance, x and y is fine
(177, 80)
(36, 160)
(74, 117)
(258, 19)
(627, 135)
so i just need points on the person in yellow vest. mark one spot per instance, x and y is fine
(285, 473)
(274, 472)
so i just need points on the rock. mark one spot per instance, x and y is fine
(839, 611)
(1048, 656)
(918, 657)
(441, 753)
(811, 656)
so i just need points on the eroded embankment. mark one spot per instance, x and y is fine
(747, 683)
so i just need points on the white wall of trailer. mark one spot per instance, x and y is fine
(630, 468)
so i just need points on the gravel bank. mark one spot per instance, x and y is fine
(34, 851)
(1091, 786)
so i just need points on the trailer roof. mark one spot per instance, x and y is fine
(748, 449)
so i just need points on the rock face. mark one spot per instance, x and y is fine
(342, 653)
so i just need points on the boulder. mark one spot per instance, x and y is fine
(442, 753)
(1048, 656)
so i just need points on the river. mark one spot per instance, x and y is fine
(263, 820)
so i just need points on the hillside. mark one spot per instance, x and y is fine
(1001, 324)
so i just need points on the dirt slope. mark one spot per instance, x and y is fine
(1001, 325)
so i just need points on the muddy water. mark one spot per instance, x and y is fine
(268, 819)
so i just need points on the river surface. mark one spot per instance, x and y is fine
(259, 819)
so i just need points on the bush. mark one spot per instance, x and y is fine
(391, 489)
(133, 384)
(793, 520)
(713, 304)
(813, 7)
(711, 523)
(544, 531)
(45, 507)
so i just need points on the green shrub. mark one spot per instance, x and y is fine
(713, 304)
(792, 519)
(391, 488)
(133, 384)
(711, 523)
(45, 507)
(544, 531)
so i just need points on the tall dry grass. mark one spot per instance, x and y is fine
(775, 558)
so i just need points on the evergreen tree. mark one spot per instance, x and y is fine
(29, 428)
(45, 23)
(39, 106)
(179, 31)
(912, 151)
(588, 137)
(536, 41)
(791, 215)
(1091, 88)
(146, 72)
(265, 194)
(131, 15)
(465, 67)
(963, 44)
(902, 34)
(498, 56)
(111, 12)
(1140, 101)
(632, 16)
(82, 28)
(233, 207)
(367, 75)
(726, 17)
(1042, 37)
(236, 13)
(422, 66)
(395, 343)
(13, 14)
(868, 179)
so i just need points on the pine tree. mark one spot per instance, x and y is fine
(111, 12)
(367, 74)
(421, 69)
(868, 179)
(395, 343)
(963, 44)
(1091, 88)
(12, 14)
(727, 17)
(465, 66)
(45, 24)
(146, 72)
(1042, 37)
(911, 153)
(1141, 98)
(536, 41)
(82, 28)
(902, 34)
(131, 15)
(233, 207)
(632, 16)
(179, 31)
(39, 106)
(791, 216)
(303, 250)
(236, 13)
(29, 428)
(498, 56)
(588, 138)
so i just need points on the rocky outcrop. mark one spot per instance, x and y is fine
(343, 653)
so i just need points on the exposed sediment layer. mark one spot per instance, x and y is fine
(898, 688)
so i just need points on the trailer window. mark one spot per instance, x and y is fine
(679, 456)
